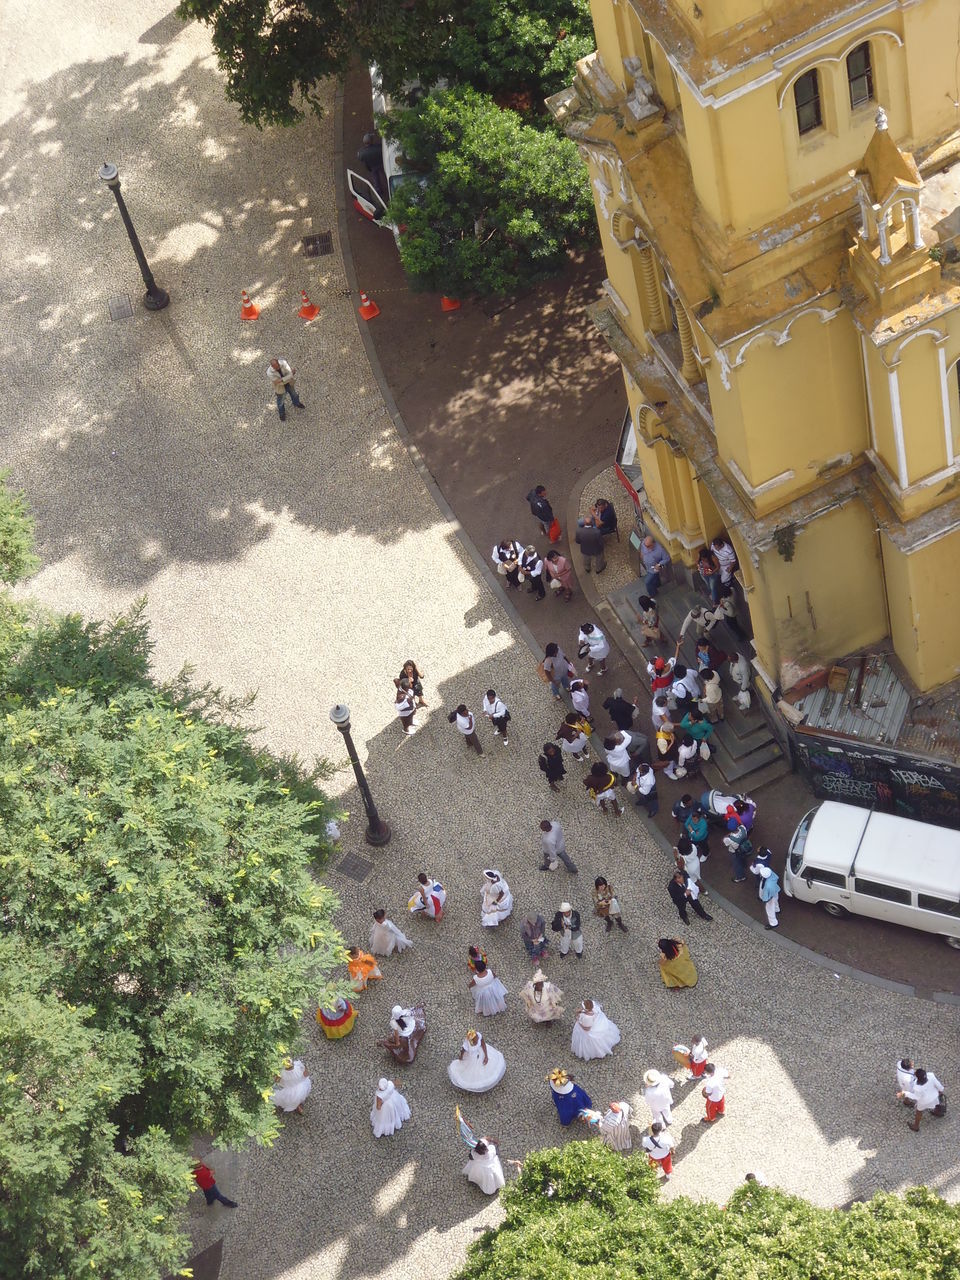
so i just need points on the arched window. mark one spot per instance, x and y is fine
(806, 96)
(860, 76)
(953, 395)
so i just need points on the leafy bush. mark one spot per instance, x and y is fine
(583, 1211)
(503, 203)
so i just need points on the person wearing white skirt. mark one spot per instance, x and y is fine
(488, 991)
(484, 1169)
(496, 901)
(594, 1035)
(390, 1109)
(293, 1086)
(385, 937)
(478, 1066)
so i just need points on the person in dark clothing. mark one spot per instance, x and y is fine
(540, 508)
(684, 895)
(551, 762)
(620, 711)
(603, 517)
(590, 541)
(370, 156)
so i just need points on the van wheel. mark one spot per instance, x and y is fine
(834, 909)
(952, 942)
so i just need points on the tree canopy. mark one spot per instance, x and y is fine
(161, 939)
(274, 56)
(501, 203)
(584, 1211)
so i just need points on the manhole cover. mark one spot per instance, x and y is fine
(121, 308)
(319, 245)
(355, 868)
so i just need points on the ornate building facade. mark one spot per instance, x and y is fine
(778, 191)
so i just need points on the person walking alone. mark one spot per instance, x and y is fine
(551, 765)
(281, 376)
(467, 725)
(557, 669)
(541, 509)
(655, 562)
(206, 1181)
(495, 709)
(594, 646)
(553, 846)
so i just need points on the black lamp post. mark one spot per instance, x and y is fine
(377, 830)
(156, 298)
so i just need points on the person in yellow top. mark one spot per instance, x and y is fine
(601, 787)
(676, 965)
(362, 968)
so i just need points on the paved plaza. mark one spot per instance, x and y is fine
(306, 561)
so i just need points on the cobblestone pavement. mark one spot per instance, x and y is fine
(308, 561)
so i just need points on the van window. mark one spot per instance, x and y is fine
(943, 905)
(825, 877)
(889, 892)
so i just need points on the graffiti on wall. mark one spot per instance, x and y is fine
(886, 780)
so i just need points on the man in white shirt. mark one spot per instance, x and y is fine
(906, 1078)
(617, 751)
(467, 726)
(645, 786)
(715, 1091)
(659, 1146)
(925, 1095)
(658, 1095)
(280, 376)
(553, 846)
(495, 709)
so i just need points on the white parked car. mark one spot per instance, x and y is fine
(855, 861)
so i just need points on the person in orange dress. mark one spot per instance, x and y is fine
(362, 968)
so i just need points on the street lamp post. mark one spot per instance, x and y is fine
(156, 298)
(377, 832)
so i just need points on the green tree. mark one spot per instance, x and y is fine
(274, 56)
(72, 1203)
(161, 937)
(17, 560)
(501, 203)
(584, 1211)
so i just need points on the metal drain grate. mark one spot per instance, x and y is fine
(121, 308)
(319, 245)
(355, 868)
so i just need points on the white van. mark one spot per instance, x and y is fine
(852, 860)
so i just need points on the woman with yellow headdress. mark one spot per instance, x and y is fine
(568, 1098)
(478, 1066)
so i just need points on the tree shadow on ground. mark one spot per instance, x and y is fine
(154, 440)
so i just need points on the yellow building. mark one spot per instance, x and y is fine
(778, 191)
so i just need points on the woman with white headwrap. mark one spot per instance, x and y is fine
(478, 1066)
(390, 1109)
(407, 1027)
(496, 900)
(293, 1086)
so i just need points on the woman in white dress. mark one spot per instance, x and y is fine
(293, 1086)
(496, 901)
(478, 1066)
(488, 991)
(390, 1109)
(385, 937)
(594, 1035)
(483, 1168)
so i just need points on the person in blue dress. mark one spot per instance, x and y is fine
(568, 1097)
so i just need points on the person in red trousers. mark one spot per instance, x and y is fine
(714, 1090)
(659, 1144)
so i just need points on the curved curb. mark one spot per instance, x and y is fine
(489, 578)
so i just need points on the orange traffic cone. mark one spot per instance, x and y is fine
(449, 304)
(247, 310)
(368, 308)
(308, 310)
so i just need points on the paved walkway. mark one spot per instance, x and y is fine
(308, 561)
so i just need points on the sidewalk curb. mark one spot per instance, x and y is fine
(477, 557)
(609, 619)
